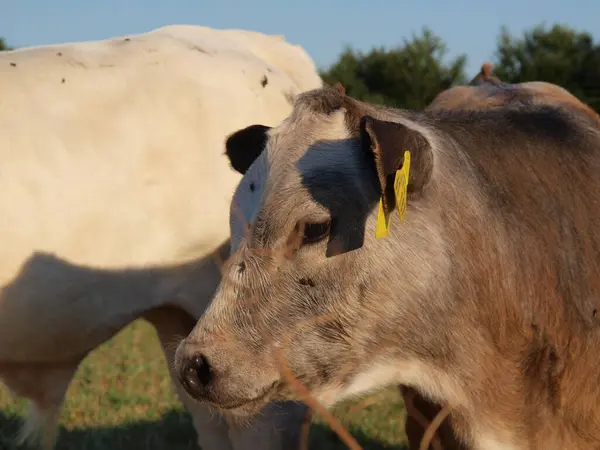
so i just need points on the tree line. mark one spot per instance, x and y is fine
(411, 74)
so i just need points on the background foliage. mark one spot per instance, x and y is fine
(411, 74)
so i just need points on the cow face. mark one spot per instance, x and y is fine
(308, 288)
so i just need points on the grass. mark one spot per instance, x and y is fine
(122, 399)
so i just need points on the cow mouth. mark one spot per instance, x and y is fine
(249, 406)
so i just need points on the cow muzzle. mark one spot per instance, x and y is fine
(224, 378)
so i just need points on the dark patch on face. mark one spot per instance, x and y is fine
(13, 64)
(252, 187)
(264, 81)
(349, 206)
(306, 282)
(346, 235)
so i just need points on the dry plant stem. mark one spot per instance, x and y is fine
(421, 419)
(305, 431)
(432, 428)
(301, 390)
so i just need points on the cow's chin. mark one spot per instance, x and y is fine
(325, 395)
(248, 408)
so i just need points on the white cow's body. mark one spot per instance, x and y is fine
(111, 157)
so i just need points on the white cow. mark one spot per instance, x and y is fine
(114, 192)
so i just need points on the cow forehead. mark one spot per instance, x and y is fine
(301, 130)
(246, 199)
(298, 150)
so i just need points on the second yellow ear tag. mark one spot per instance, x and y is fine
(400, 187)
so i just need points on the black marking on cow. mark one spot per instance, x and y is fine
(199, 49)
(306, 282)
(264, 81)
(13, 64)
(252, 187)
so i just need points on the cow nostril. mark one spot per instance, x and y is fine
(203, 372)
(196, 375)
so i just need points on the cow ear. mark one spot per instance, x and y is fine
(386, 142)
(244, 146)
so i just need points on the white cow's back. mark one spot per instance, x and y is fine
(111, 152)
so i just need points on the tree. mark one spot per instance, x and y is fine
(3, 45)
(408, 76)
(557, 55)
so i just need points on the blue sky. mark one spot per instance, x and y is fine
(321, 27)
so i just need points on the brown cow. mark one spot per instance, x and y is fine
(484, 298)
(485, 90)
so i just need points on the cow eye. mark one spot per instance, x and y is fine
(315, 232)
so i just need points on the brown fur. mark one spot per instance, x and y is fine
(484, 85)
(487, 91)
(485, 298)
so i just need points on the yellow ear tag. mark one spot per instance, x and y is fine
(400, 186)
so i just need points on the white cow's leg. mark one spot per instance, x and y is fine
(45, 386)
(277, 427)
(173, 324)
(212, 429)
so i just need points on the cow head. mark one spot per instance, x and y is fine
(307, 282)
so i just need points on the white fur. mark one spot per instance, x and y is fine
(409, 373)
(435, 384)
(112, 156)
(488, 441)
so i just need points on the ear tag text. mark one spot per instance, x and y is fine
(400, 187)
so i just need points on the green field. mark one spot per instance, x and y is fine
(122, 399)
